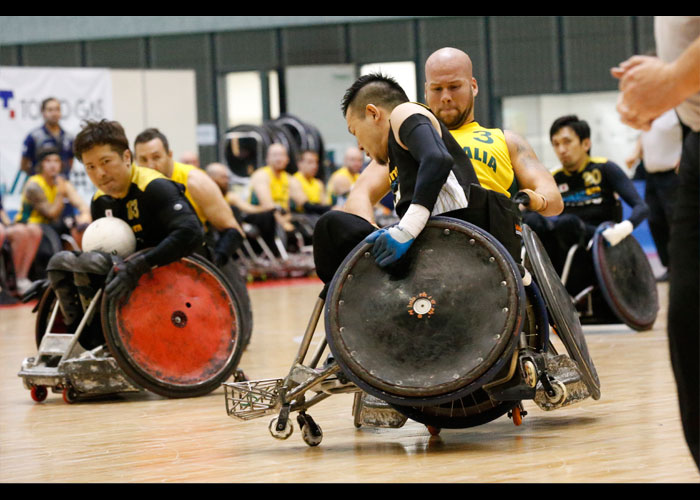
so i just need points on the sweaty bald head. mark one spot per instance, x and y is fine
(450, 86)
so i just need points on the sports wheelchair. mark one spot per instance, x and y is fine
(180, 333)
(611, 284)
(456, 335)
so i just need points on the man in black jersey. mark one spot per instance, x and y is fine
(154, 206)
(429, 173)
(590, 187)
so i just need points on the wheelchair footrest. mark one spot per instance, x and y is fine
(373, 412)
(252, 398)
(565, 378)
(96, 376)
(88, 374)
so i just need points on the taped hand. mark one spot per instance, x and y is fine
(126, 275)
(618, 232)
(389, 245)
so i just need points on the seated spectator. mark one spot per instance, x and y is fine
(307, 192)
(23, 241)
(270, 186)
(261, 219)
(45, 198)
(342, 180)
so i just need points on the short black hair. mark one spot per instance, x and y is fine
(98, 133)
(48, 100)
(45, 152)
(149, 134)
(373, 88)
(580, 127)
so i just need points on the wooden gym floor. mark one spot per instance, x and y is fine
(632, 434)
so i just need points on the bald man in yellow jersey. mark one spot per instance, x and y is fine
(503, 161)
(152, 150)
(307, 192)
(269, 185)
(344, 178)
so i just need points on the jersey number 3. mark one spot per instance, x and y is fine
(132, 209)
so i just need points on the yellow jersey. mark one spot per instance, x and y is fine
(488, 151)
(27, 213)
(279, 188)
(313, 188)
(180, 175)
(332, 197)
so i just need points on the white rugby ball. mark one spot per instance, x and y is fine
(110, 235)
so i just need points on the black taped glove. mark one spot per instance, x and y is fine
(229, 241)
(126, 275)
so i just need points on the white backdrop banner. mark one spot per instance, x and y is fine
(85, 94)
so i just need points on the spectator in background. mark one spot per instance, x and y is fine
(342, 180)
(659, 151)
(270, 186)
(262, 219)
(50, 134)
(307, 192)
(24, 242)
(190, 158)
(44, 201)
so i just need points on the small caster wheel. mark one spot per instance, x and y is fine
(70, 395)
(530, 373)
(517, 415)
(39, 393)
(240, 376)
(311, 432)
(560, 392)
(283, 433)
(434, 431)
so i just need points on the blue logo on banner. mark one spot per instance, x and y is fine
(5, 96)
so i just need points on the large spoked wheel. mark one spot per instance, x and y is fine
(626, 280)
(178, 333)
(475, 409)
(560, 308)
(435, 328)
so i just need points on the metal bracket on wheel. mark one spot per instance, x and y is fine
(283, 418)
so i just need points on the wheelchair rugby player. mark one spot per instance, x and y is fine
(147, 314)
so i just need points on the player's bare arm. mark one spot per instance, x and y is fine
(533, 176)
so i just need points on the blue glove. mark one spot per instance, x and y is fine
(389, 245)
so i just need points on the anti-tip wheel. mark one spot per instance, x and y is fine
(517, 415)
(70, 395)
(311, 432)
(39, 393)
(312, 437)
(560, 392)
(434, 431)
(280, 433)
